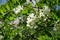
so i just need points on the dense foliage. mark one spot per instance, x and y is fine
(30, 20)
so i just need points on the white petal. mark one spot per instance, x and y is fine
(28, 25)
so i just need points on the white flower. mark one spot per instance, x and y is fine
(28, 25)
(31, 15)
(35, 27)
(44, 11)
(54, 28)
(11, 28)
(30, 19)
(18, 9)
(27, 1)
(1, 37)
(34, 2)
(15, 22)
(45, 7)
(20, 17)
(41, 12)
(45, 19)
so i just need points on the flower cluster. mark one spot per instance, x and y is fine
(16, 21)
(56, 25)
(18, 9)
(32, 18)
(44, 11)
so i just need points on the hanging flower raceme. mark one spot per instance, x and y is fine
(30, 20)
